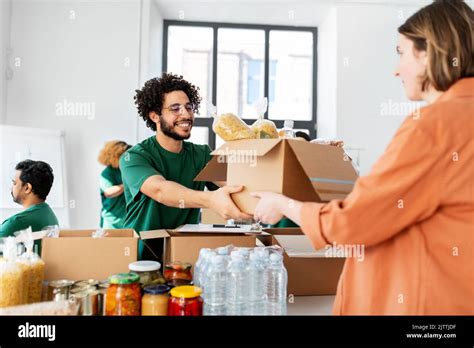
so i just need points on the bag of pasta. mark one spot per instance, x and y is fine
(34, 267)
(262, 128)
(229, 126)
(12, 276)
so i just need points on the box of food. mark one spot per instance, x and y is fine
(298, 169)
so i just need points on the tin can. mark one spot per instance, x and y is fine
(88, 283)
(102, 291)
(59, 290)
(87, 300)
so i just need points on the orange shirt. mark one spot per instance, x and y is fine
(414, 215)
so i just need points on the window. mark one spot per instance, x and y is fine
(234, 65)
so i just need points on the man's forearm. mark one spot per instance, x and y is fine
(175, 195)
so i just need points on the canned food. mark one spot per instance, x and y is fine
(87, 300)
(102, 291)
(59, 290)
(89, 283)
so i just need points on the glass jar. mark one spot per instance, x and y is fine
(155, 300)
(123, 295)
(178, 273)
(185, 301)
(148, 271)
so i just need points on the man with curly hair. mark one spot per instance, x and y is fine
(158, 173)
(30, 187)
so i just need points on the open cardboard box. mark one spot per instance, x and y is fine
(298, 169)
(186, 246)
(309, 271)
(75, 255)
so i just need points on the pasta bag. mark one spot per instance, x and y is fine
(12, 276)
(34, 268)
(229, 126)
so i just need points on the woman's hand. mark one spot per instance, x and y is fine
(270, 208)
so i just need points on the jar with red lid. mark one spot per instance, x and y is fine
(123, 297)
(178, 273)
(185, 301)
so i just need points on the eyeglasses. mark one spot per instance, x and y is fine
(178, 109)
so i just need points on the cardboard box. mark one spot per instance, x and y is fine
(186, 246)
(298, 169)
(309, 272)
(209, 216)
(75, 255)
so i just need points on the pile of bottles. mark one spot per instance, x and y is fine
(242, 281)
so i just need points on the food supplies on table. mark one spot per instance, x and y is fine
(13, 281)
(229, 126)
(262, 128)
(34, 275)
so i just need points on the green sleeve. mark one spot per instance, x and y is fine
(135, 170)
(108, 179)
(7, 228)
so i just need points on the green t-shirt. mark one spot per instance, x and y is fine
(285, 222)
(37, 216)
(113, 209)
(146, 159)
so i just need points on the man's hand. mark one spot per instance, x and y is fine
(221, 202)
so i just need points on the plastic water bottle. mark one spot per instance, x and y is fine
(287, 131)
(237, 286)
(198, 266)
(214, 303)
(204, 270)
(277, 282)
(257, 281)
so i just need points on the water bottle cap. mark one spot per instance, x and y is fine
(222, 251)
(288, 124)
(276, 257)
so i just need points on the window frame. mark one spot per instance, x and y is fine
(310, 125)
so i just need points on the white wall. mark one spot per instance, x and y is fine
(5, 9)
(151, 53)
(79, 52)
(365, 59)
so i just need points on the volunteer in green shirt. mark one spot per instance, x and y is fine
(158, 173)
(113, 210)
(30, 187)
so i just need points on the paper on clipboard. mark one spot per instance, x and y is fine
(210, 228)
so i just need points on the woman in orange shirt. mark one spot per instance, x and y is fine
(414, 211)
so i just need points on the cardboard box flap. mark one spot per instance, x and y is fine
(154, 234)
(214, 170)
(331, 173)
(252, 147)
(298, 246)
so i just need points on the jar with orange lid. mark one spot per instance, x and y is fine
(155, 300)
(123, 297)
(185, 301)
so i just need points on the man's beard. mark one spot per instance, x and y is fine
(15, 199)
(168, 130)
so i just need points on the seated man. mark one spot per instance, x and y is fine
(158, 173)
(31, 186)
